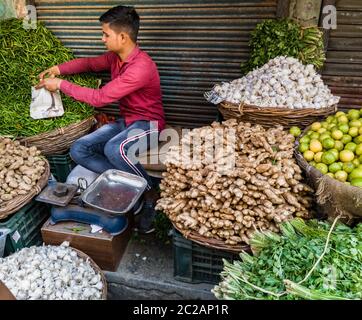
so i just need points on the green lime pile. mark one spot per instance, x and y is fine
(334, 146)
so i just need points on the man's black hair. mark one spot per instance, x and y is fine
(122, 18)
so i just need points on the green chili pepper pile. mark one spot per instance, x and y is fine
(23, 55)
(280, 268)
(284, 37)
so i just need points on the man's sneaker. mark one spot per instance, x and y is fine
(147, 217)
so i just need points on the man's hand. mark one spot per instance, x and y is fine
(51, 84)
(51, 73)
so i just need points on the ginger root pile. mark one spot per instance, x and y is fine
(205, 191)
(20, 169)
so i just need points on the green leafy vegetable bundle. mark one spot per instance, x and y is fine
(284, 37)
(307, 261)
(24, 53)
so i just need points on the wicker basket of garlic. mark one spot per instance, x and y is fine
(24, 172)
(282, 92)
(53, 273)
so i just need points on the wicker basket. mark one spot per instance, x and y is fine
(98, 270)
(333, 198)
(211, 242)
(21, 200)
(59, 140)
(270, 117)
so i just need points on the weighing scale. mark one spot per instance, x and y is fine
(104, 202)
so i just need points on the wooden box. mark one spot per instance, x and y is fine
(106, 250)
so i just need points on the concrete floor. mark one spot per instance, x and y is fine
(146, 272)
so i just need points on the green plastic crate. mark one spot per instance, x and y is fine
(25, 226)
(194, 263)
(60, 166)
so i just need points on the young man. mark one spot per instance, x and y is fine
(135, 84)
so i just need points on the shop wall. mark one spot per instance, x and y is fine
(194, 43)
(343, 69)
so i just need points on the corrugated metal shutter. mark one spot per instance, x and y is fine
(343, 69)
(194, 43)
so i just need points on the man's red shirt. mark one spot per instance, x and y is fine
(135, 84)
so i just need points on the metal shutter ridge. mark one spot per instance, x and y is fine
(343, 69)
(194, 43)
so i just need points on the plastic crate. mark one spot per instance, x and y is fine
(60, 166)
(3, 235)
(194, 263)
(25, 226)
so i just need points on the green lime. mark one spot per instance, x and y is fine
(324, 135)
(332, 127)
(312, 163)
(318, 157)
(346, 156)
(353, 131)
(330, 174)
(340, 113)
(346, 138)
(324, 125)
(341, 176)
(355, 174)
(342, 119)
(351, 146)
(356, 182)
(344, 127)
(355, 123)
(309, 132)
(316, 126)
(305, 139)
(360, 130)
(328, 157)
(303, 147)
(330, 119)
(295, 131)
(322, 130)
(353, 114)
(315, 146)
(348, 167)
(328, 143)
(338, 145)
(322, 167)
(308, 155)
(335, 152)
(337, 134)
(314, 135)
(356, 162)
(358, 139)
(358, 150)
(334, 167)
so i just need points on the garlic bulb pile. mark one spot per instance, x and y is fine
(282, 82)
(50, 273)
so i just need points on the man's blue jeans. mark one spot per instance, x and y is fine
(116, 146)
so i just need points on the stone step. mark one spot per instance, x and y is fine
(146, 272)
